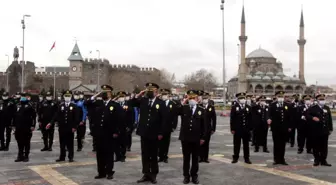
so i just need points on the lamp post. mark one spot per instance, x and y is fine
(224, 80)
(23, 61)
(98, 65)
(7, 86)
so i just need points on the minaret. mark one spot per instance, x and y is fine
(242, 71)
(301, 42)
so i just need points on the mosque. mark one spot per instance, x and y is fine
(261, 73)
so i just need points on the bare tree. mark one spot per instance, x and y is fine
(201, 79)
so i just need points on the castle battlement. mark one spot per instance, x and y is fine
(95, 60)
(124, 66)
(148, 69)
(47, 74)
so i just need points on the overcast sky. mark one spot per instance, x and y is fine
(179, 35)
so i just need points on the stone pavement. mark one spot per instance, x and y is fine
(42, 170)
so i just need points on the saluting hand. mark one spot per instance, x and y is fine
(48, 126)
(32, 128)
(160, 137)
(73, 130)
(316, 119)
(115, 135)
(202, 142)
(269, 122)
(81, 123)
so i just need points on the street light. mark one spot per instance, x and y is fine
(98, 64)
(23, 61)
(224, 80)
(7, 86)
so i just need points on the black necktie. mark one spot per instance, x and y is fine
(150, 103)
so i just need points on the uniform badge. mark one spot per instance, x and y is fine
(170, 106)
(210, 109)
(199, 112)
(304, 109)
(259, 110)
(18, 109)
(111, 108)
(266, 109)
(157, 106)
(52, 104)
(71, 108)
(26, 106)
(247, 109)
(237, 108)
(286, 107)
(325, 111)
(62, 108)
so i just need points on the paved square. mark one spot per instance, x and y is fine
(42, 170)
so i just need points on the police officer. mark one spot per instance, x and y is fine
(81, 129)
(38, 105)
(303, 127)
(171, 114)
(193, 132)
(250, 101)
(94, 117)
(240, 125)
(45, 114)
(320, 119)
(295, 105)
(126, 126)
(7, 113)
(24, 123)
(67, 117)
(211, 122)
(131, 122)
(260, 117)
(17, 98)
(106, 126)
(281, 125)
(150, 129)
(177, 101)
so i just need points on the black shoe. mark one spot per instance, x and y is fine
(206, 161)
(153, 179)
(79, 149)
(247, 161)
(256, 150)
(60, 160)
(284, 163)
(26, 159)
(275, 163)
(44, 149)
(122, 160)
(186, 180)
(18, 160)
(200, 161)
(309, 152)
(234, 161)
(116, 160)
(2, 148)
(160, 160)
(316, 163)
(300, 151)
(143, 179)
(128, 149)
(94, 150)
(165, 160)
(195, 180)
(266, 151)
(109, 177)
(71, 160)
(49, 149)
(6, 148)
(100, 176)
(325, 164)
(292, 145)
(252, 144)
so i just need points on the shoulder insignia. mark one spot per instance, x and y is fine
(199, 112)
(210, 109)
(71, 108)
(201, 107)
(157, 106)
(111, 108)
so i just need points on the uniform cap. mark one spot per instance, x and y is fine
(165, 91)
(306, 97)
(67, 93)
(241, 95)
(280, 93)
(106, 88)
(152, 86)
(192, 93)
(320, 96)
(121, 94)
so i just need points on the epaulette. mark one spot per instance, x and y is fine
(173, 102)
(201, 107)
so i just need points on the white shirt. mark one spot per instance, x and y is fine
(67, 104)
(106, 102)
(152, 101)
(193, 109)
(167, 102)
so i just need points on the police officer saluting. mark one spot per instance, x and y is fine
(7, 112)
(260, 117)
(150, 129)
(319, 117)
(106, 126)
(192, 134)
(24, 124)
(46, 113)
(81, 129)
(210, 113)
(303, 127)
(67, 117)
(240, 124)
(171, 114)
(281, 125)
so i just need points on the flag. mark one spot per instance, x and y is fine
(53, 46)
(90, 52)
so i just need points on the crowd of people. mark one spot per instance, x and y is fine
(154, 113)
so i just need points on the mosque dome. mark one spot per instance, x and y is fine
(287, 78)
(260, 53)
(266, 78)
(253, 61)
(276, 78)
(270, 73)
(280, 74)
(248, 77)
(259, 73)
(256, 78)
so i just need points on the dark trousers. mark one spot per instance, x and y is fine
(23, 138)
(261, 137)
(164, 146)
(80, 136)
(104, 154)
(204, 149)
(5, 142)
(291, 138)
(66, 140)
(120, 149)
(190, 150)
(254, 136)
(304, 138)
(279, 145)
(149, 156)
(237, 138)
(48, 136)
(320, 148)
(94, 138)
(129, 140)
